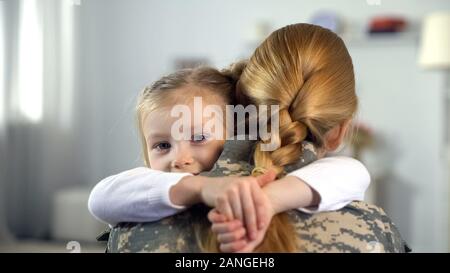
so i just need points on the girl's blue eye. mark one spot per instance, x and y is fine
(163, 146)
(198, 138)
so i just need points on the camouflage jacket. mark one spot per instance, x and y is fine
(358, 227)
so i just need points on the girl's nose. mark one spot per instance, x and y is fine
(182, 162)
(183, 157)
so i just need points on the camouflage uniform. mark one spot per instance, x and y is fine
(358, 227)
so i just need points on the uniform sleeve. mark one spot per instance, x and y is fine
(137, 195)
(338, 180)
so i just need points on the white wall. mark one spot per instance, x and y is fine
(405, 107)
(124, 45)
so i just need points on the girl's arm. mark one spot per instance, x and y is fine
(334, 182)
(146, 195)
(327, 184)
(137, 195)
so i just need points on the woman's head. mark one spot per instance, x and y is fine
(162, 151)
(308, 72)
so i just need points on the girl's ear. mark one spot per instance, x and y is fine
(335, 136)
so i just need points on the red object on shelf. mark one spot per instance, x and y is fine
(387, 24)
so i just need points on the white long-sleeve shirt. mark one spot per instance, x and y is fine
(142, 194)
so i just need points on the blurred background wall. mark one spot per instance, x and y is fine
(71, 71)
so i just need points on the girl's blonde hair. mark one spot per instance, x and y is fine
(307, 71)
(162, 93)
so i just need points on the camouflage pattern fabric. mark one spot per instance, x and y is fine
(358, 227)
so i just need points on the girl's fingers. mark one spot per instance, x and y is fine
(247, 248)
(226, 227)
(236, 206)
(230, 237)
(233, 247)
(223, 206)
(259, 201)
(215, 217)
(249, 212)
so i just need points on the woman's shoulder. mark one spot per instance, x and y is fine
(171, 234)
(358, 227)
(236, 158)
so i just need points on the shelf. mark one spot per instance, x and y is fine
(382, 39)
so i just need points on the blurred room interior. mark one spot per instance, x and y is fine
(71, 70)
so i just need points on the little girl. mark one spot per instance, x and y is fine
(170, 182)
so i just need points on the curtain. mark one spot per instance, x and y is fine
(4, 232)
(37, 126)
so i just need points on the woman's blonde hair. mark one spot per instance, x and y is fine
(307, 71)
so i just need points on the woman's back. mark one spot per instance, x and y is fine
(358, 227)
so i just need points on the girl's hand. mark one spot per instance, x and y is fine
(240, 198)
(250, 245)
(231, 235)
(231, 232)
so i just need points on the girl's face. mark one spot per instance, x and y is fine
(166, 153)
